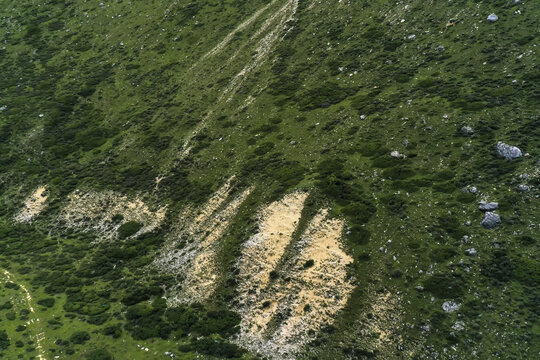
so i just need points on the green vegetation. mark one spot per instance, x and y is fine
(128, 229)
(360, 103)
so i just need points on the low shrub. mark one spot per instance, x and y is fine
(79, 337)
(48, 302)
(128, 229)
(445, 286)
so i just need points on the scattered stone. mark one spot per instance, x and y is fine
(492, 18)
(419, 287)
(491, 220)
(450, 306)
(4, 107)
(466, 239)
(468, 223)
(523, 188)
(471, 251)
(396, 154)
(405, 142)
(467, 130)
(470, 189)
(508, 151)
(483, 206)
(459, 326)
(440, 48)
(411, 37)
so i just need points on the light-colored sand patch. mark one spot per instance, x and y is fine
(262, 252)
(192, 225)
(324, 288)
(308, 299)
(200, 279)
(190, 251)
(94, 211)
(211, 206)
(33, 205)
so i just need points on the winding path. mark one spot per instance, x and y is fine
(40, 336)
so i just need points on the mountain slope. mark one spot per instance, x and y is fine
(283, 179)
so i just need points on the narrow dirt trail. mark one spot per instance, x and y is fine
(40, 335)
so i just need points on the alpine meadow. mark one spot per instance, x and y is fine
(269, 179)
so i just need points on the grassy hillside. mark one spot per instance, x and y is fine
(289, 179)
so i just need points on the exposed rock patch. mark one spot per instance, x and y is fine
(33, 205)
(485, 206)
(95, 211)
(279, 317)
(191, 249)
(509, 152)
(200, 279)
(491, 220)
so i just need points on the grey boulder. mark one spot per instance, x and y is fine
(483, 206)
(508, 151)
(467, 130)
(450, 306)
(491, 220)
(523, 188)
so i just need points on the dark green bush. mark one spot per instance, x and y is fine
(48, 302)
(11, 285)
(98, 354)
(6, 306)
(4, 340)
(264, 148)
(446, 187)
(499, 267)
(452, 226)
(218, 348)
(445, 286)
(385, 161)
(128, 229)
(398, 173)
(358, 235)
(222, 322)
(465, 197)
(117, 218)
(395, 203)
(113, 330)
(79, 337)
(145, 321)
(359, 212)
(442, 253)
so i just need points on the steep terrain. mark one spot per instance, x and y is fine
(280, 179)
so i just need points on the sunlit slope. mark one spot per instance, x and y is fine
(286, 179)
